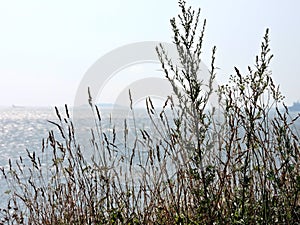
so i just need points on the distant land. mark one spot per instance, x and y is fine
(104, 105)
(295, 107)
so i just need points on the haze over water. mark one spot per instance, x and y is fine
(24, 128)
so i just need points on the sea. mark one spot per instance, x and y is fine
(24, 128)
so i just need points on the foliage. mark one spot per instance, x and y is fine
(237, 164)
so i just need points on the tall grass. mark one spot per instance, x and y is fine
(238, 164)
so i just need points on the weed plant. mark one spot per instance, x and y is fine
(234, 164)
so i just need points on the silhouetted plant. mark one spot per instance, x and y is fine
(238, 164)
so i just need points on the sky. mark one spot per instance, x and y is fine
(46, 47)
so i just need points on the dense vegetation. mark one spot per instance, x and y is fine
(236, 164)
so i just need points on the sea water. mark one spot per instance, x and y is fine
(24, 128)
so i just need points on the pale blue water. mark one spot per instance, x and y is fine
(25, 128)
(21, 128)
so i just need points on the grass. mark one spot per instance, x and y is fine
(238, 164)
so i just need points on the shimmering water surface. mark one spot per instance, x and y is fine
(25, 128)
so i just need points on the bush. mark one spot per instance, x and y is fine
(237, 164)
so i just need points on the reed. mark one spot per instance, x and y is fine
(238, 164)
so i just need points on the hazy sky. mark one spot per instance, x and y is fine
(47, 46)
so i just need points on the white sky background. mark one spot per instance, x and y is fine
(47, 46)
